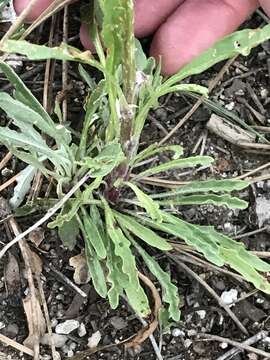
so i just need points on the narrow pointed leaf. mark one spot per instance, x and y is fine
(155, 149)
(205, 186)
(235, 260)
(146, 202)
(142, 232)
(121, 246)
(177, 164)
(218, 200)
(96, 272)
(93, 235)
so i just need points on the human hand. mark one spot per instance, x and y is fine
(182, 28)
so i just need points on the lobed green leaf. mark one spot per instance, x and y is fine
(205, 186)
(177, 164)
(142, 232)
(218, 200)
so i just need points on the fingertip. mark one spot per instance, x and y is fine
(38, 8)
(85, 38)
(194, 27)
(265, 4)
(149, 14)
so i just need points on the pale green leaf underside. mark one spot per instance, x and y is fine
(205, 186)
(218, 200)
(178, 164)
(142, 232)
(151, 206)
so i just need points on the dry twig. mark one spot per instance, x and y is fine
(211, 292)
(16, 345)
(236, 344)
(47, 216)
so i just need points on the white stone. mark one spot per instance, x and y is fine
(229, 297)
(223, 345)
(230, 106)
(177, 332)
(59, 340)
(187, 343)
(82, 330)
(67, 327)
(201, 313)
(94, 340)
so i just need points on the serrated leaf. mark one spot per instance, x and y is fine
(205, 186)
(142, 232)
(24, 180)
(228, 243)
(177, 164)
(191, 234)
(155, 149)
(170, 291)
(137, 299)
(114, 278)
(218, 200)
(121, 244)
(93, 235)
(218, 249)
(151, 207)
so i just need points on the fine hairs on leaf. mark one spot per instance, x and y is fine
(99, 175)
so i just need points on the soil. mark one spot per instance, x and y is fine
(201, 313)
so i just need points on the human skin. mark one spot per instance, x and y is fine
(182, 28)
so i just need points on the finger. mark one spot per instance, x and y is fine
(265, 4)
(20, 5)
(87, 43)
(194, 27)
(150, 14)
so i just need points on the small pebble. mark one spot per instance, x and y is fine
(54, 322)
(192, 332)
(72, 346)
(118, 323)
(70, 353)
(94, 340)
(230, 106)
(82, 330)
(67, 327)
(223, 345)
(187, 343)
(59, 340)
(264, 93)
(201, 313)
(177, 332)
(229, 297)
